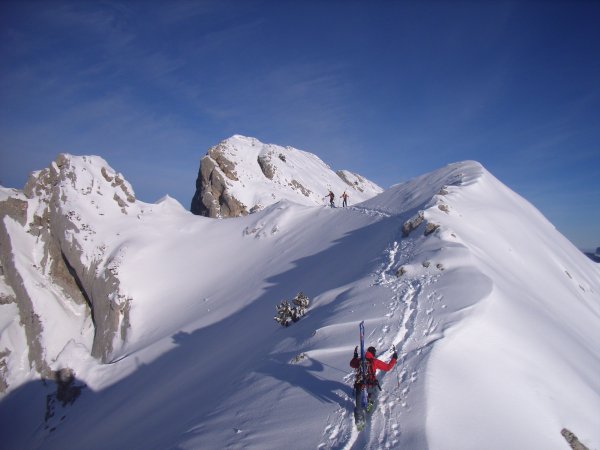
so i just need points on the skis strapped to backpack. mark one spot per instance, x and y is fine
(363, 369)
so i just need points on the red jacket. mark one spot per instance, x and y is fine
(373, 363)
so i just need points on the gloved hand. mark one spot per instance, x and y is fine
(356, 351)
(395, 355)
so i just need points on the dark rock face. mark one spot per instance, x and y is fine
(355, 184)
(17, 210)
(212, 198)
(413, 223)
(573, 441)
(268, 169)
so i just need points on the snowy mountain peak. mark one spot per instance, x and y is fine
(488, 306)
(73, 177)
(56, 259)
(418, 191)
(242, 175)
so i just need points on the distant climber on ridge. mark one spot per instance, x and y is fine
(344, 198)
(331, 196)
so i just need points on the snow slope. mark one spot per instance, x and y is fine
(496, 317)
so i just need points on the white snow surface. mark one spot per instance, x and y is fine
(496, 320)
(297, 176)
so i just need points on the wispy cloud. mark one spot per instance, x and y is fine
(392, 93)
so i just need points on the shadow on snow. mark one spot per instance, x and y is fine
(183, 393)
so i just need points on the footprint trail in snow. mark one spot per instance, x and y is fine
(409, 324)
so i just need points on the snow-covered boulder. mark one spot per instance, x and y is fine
(242, 175)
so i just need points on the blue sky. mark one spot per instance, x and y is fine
(388, 89)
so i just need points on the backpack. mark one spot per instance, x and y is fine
(371, 378)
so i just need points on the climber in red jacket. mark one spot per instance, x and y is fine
(370, 381)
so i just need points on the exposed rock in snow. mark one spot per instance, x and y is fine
(212, 197)
(13, 211)
(572, 440)
(242, 175)
(52, 258)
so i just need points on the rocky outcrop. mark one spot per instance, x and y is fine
(572, 440)
(96, 279)
(212, 198)
(413, 223)
(352, 180)
(242, 175)
(297, 186)
(51, 226)
(431, 228)
(16, 210)
(268, 169)
(3, 370)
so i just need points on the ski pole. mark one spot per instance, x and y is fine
(397, 374)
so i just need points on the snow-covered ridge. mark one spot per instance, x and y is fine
(490, 308)
(242, 175)
(419, 191)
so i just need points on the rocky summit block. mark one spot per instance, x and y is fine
(242, 175)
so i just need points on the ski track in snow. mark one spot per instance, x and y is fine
(409, 325)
